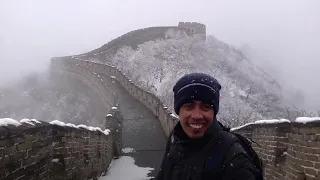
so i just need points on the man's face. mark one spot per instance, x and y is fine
(196, 118)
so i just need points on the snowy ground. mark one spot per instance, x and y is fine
(125, 169)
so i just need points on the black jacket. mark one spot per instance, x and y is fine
(186, 158)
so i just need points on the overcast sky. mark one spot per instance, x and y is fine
(284, 33)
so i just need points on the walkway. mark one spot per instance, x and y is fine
(141, 130)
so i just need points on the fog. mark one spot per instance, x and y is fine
(282, 36)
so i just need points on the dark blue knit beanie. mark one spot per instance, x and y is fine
(197, 86)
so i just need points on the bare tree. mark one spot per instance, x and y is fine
(288, 113)
(250, 90)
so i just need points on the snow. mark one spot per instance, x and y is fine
(55, 160)
(30, 121)
(106, 132)
(114, 108)
(271, 121)
(9, 121)
(71, 125)
(305, 120)
(125, 169)
(174, 115)
(90, 128)
(127, 150)
(239, 127)
(57, 122)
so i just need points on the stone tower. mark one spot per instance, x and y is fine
(194, 27)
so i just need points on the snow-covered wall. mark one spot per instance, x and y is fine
(290, 150)
(89, 77)
(31, 149)
(139, 36)
(152, 102)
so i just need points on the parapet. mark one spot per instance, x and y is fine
(194, 27)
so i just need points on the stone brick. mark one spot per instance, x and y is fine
(19, 156)
(2, 172)
(310, 177)
(30, 168)
(300, 155)
(306, 163)
(310, 171)
(311, 157)
(310, 137)
(24, 146)
(29, 138)
(9, 150)
(298, 167)
(28, 161)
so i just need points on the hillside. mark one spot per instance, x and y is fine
(46, 98)
(247, 94)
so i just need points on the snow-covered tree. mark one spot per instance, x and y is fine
(248, 93)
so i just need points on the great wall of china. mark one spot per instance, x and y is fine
(290, 150)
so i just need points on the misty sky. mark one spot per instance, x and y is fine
(283, 33)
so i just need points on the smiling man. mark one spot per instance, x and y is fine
(198, 147)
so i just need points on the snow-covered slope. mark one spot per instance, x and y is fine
(248, 93)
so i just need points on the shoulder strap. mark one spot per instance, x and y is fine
(209, 162)
(219, 155)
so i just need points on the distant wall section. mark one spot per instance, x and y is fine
(139, 36)
(194, 27)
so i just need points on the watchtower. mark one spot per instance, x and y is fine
(194, 27)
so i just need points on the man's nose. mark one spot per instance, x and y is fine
(197, 114)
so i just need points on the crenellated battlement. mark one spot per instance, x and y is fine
(194, 27)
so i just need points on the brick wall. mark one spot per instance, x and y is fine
(49, 151)
(80, 153)
(26, 151)
(290, 150)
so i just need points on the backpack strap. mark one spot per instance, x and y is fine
(221, 153)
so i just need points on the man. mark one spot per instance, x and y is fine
(195, 149)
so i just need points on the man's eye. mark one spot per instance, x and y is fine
(188, 106)
(206, 107)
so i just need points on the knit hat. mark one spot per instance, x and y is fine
(197, 86)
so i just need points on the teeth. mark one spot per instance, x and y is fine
(196, 126)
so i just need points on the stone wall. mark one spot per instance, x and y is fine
(134, 38)
(92, 79)
(26, 151)
(50, 151)
(79, 153)
(290, 151)
(165, 117)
